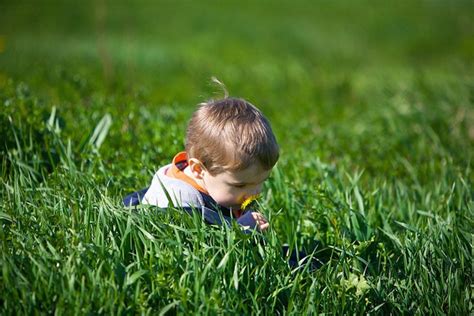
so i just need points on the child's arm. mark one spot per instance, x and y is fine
(249, 221)
(253, 220)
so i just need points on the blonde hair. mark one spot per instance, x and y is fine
(231, 134)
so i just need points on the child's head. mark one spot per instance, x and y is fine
(231, 149)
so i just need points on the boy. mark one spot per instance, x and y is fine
(230, 151)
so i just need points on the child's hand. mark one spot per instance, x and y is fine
(262, 223)
(253, 220)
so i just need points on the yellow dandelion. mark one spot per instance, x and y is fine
(248, 201)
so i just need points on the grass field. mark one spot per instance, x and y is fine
(372, 104)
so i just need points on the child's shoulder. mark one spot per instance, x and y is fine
(165, 189)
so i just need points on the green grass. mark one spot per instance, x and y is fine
(373, 108)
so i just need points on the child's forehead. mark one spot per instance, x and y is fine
(253, 173)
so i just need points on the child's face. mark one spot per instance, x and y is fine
(231, 188)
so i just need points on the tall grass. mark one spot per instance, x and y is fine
(374, 180)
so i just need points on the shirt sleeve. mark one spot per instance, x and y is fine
(246, 221)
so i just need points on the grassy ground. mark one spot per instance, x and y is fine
(372, 105)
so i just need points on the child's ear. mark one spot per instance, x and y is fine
(196, 168)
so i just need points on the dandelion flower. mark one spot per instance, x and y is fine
(248, 201)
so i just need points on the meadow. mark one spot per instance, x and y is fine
(373, 107)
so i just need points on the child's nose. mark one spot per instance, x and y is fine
(256, 190)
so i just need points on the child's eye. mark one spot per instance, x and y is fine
(240, 186)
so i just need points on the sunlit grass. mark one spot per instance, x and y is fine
(374, 180)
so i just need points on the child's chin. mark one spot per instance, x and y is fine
(233, 206)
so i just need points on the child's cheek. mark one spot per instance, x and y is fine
(226, 198)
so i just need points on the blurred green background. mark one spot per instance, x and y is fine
(307, 64)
